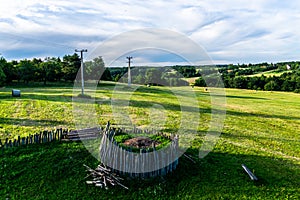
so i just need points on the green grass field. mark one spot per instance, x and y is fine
(260, 130)
(270, 73)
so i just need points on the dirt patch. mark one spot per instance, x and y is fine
(141, 142)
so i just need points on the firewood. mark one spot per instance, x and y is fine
(103, 177)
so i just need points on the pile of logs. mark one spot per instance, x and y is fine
(103, 177)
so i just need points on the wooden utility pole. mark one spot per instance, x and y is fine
(82, 78)
(129, 73)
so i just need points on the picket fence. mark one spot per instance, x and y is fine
(38, 138)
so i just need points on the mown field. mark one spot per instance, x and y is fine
(261, 130)
(270, 73)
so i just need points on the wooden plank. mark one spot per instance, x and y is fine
(15, 143)
(10, 143)
(30, 139)
(19, 141)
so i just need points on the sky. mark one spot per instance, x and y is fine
(228, 31)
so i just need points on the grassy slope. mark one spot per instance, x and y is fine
(260, 130)
(269, 73)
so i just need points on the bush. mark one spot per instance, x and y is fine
(2, 77)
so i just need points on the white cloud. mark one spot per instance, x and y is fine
(232, 31)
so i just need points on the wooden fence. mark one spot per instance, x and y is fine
(38, 138)
(146, 163)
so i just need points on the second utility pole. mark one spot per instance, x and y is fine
(129, 73)
(82, 79)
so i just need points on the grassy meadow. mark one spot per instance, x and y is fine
(270, 73)
(261, 130)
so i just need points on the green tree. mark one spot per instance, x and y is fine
(8, 69)
(2, 75)
(95, 70)
(36, 65)
(240, 82)
(27, 70)
(50, 69)
(270, 86)
(154, 76)
(200, 82)
(70, 66)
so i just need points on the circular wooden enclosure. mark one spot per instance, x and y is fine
(139, 156)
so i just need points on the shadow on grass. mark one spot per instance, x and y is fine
(56, 170)
(231, 96)
(34, 96)
(31, 122)
(177, 107)
(64, 95)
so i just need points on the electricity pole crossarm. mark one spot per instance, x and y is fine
(129, 73)
(82, 78)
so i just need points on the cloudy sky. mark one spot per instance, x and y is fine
(232, 31)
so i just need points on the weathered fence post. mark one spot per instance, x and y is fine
(19, 140)
(44, 136)
(6, 143)
(51, 135)
(40, 137)
(1, 146)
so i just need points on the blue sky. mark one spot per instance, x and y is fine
(230, 31)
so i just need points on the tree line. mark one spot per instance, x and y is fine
(236, 76)
(50, 69)
(65, 69)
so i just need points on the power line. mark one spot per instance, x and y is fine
(41, 41)
(82, 78)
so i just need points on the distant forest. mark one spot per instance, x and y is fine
(283, 76)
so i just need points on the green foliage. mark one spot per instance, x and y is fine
(70, 66)
(162, 140)
(275, 77)
(27, 70)
(50, 70)
(186, 71)
(2, 77)
(4, 71)
(96, 70)
(2, 74)
(122, 137)
(283, 76)
(270, 86)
